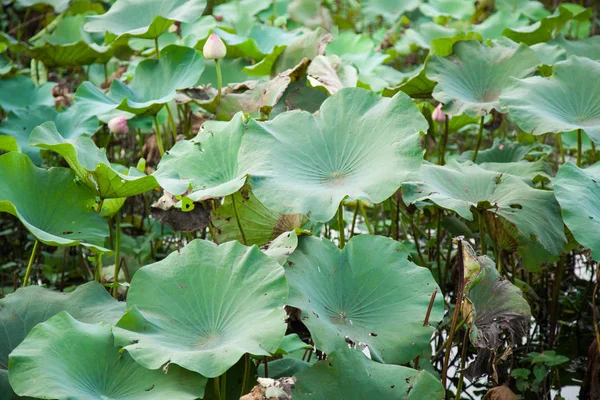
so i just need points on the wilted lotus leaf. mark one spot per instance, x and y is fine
(348, 374)
(155, 83)
(65, 358)
(329, 73)
(472, 79)
(568, 100)
(359, 145)
(20, 92)
(217, 303)
(493, 306)
(188, 217)
(462, 187)
(52, 205)
(368, 294)
(34, 304)
(143, 18)
(578, 193)
(92, 167)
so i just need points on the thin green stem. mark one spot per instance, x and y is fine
(354, 219)
(97, 267)
(561, 148)
(31, 260)
(246, 373)
(217, 384)
(340, 218)
(479, 137)
(463, 358)
(117, 253)
(444, 141)
(438, 245)
(593, 152)
(237, 219)
(481, 221)
(156, 48)
(579, 147)
(219, 81)
(364, 215)
(159, 142)
(223, 390)
(172, 123)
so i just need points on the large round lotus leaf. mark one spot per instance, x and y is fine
(208, 162)
(52, 205)
(64, 358)
(143, 18)
(367, 293)
(155, 83)
(530, 8)
(578, 193)
(534, 213)
(471, 80)
(216, 304)
(92, 167)
(359, 145)
(24, 309)
(348, 374)
(568, 100)
(20, 92)
(588, 47)
(21, 123)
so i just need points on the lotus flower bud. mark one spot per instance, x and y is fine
(118, 125)
(438, 115)
(214, 48)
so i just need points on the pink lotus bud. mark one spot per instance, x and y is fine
(214, 48)
(501, 147)
(118, 125)
(438, 115)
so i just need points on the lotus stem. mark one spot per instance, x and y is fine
(481, 221)
(156, 48)
(593, 152)
(426, 320)
(340, 218)
(117, 253)
(463, 358)
(594, 310)
(217, 385)
(159, 142)
(354, 219)
(31, 260)
(223, 390)
(172, 123)
(442, 157)
(479, 137)
(438, 244)
(579, 147)
(237, 219)
(246, 373)
(219, 82)
(364, 215)
(561, 149)
(97, 267)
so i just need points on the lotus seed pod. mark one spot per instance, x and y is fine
(214, 48)
(438, 115)
(118, 125)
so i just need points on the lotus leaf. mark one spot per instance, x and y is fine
(391, 10)
(589, 47)
(531, 9)
(58, 5)
(359, 145)
(329, 73)
(29, 94)
(453, 8)
(310, 13)
(347, 374)
(369, 293)
(568, 100)
(34, 304)
(217, 303)
(66, 218)
(64, 358)
(471, 80)
(309, 46)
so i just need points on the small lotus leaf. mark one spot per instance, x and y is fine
(216, 304)
(20, 92)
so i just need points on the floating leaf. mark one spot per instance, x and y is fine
(471, 80)
(217, 303)
(20, 92)
(347, 374)
(65, 358)
(52, 205)
(568, 100)
(367, 294)
(359, 145)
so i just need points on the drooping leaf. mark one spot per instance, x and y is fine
(329, 73)
(20, 92)
(24, 309)
(367, 294)
(65, 358)
(472, 79)
(309, 45)
(93, 168)
(358, 145)
(505, 198)
(52, 205)
(568, 100)
(588, 47)
(217, 303)
(348, 374)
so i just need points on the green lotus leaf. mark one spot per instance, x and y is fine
(503, 151)
(416, 85)
(90, 302)
(64, 358)
(422, 36)
(348, 374)
(21, 123)
(143, 18)
(578, 193)
(549, 53)
(534, 213)
(58, 5)
(330, 74)
(67, 46)
(8, 143)
(283, 245)
(6, 66)
(310, 13)
(259, 223)
(543, 30)
(548, 357)
(154, 84)
(359, 145)
(588, 47)
(20, 92)
(493, 26)
(91, 166)
(531, 9)
(209, 162)
(232, 71)
(568, 100)
(309, 45)
(241, 15)
(66, 217)
(299, 96)
(471, 80)
(369, 293)
(457, 9)
(217, 303)
(390, 10)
